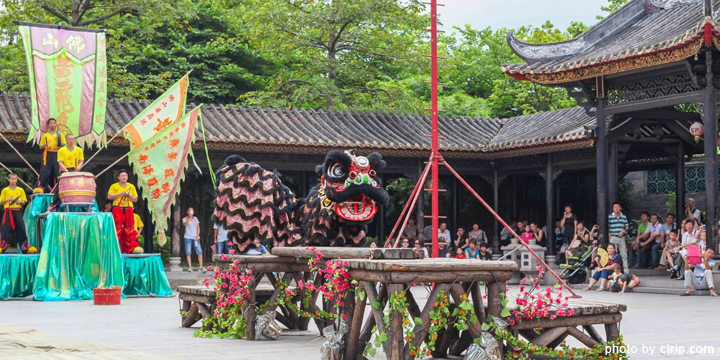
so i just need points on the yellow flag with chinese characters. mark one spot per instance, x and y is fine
(163, 112)
(160, 165)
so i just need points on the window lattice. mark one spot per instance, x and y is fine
(663, 181)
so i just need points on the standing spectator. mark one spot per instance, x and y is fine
(665, 230)
(604, 272)
(419, 246)
(478, 234)
(693, 214)
(538, 234)
(654, 236)
(444, 234)
(192, 238)
(671, 253)
(569, 224)
(472, 251)
(221, 238)
(410, 231)
(12, 198)
(461, 241)
(701, 277)
(617, 228)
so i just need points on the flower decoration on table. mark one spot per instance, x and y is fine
(440, 318)
(534, 302)
(232, 289)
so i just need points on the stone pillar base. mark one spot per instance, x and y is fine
(175, 264)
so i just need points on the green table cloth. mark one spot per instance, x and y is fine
(39, 204)
(17, 275)
(145, 275)
(80, 252)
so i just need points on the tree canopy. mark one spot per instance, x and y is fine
(319, 54)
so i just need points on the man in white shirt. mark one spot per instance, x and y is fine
(701, 277)
(653, 234)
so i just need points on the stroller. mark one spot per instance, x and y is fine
(577, 270)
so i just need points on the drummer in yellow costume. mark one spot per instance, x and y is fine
(51, 142)
(70, 157)
(12, 198)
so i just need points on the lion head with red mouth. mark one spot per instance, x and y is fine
(338, 210)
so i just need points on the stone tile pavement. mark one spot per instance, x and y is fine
(152, 325)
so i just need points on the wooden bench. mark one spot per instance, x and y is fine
(199, 301)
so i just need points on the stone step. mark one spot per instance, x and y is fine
(649, 290)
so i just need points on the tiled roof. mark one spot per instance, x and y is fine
(234, 126)
(542, 128)
(639, 28)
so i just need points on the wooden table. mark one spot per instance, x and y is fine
(381, 278)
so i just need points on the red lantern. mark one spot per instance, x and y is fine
(697, 129)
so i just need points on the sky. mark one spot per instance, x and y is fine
(515, 13)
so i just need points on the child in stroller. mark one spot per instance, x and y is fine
(578, 267)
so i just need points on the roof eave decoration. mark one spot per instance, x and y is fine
(619, 64)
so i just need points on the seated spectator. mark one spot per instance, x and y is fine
(427, 233)
(485, 253)
(506, 235)
(670, 253)
(472, 251)
(444, 249)
(405, 244)
(688, 239)
(410, 231)
(256, 248)
(527, 234)
(578, 242)
(647, 244)
(444, 234)
(701, 277)
(462, 239)
(623, 281)
(460, 253)
(665, 231)
(558, 235)
(641, 236)
(478, 234)
(419, 246)
(538, 234)
(604, 272)
(373, 245)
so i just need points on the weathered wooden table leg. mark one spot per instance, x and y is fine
(250, 315)
(352, 340)
(395, 337)
(372, 296)
(611, 331)
(366, 333)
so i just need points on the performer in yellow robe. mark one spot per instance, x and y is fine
(123, 195)
(12, 198)
(51, 142)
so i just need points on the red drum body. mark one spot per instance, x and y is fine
(77, 188)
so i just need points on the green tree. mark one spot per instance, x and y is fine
(613, 5)
(329, 52)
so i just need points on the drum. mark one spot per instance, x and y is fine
(77, 188)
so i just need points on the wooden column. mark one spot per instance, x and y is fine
(455, 205)
(381, 225)
(711, 167)
(550, 241)
(514, 198)
(420, 221)
(613, 180)
(601, 172)
(304, 183)
(680, 185)
(496, 206)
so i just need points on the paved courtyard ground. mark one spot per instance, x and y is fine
(152, 326)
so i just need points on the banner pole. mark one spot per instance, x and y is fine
(20, 155)
(111, 165)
